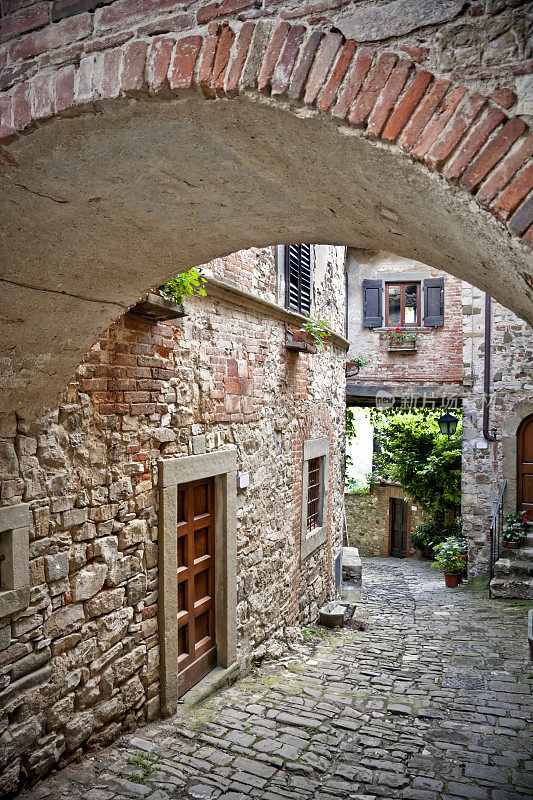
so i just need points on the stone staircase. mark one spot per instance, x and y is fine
(513, 572)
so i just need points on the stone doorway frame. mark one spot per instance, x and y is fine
(222, 466)
(510, 426)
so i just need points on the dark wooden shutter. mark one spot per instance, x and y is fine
(298, 277)
(372, 304)
(434, 302)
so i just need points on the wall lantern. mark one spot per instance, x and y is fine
(448, 424)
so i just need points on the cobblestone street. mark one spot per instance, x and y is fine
(431, 701)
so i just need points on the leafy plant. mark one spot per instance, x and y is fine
(400, 335)
(515, 527)
(186, 284)
(317, 328)
(356, 485)
(427, 464)
(429, 534)
(451, 556)
(357, 363)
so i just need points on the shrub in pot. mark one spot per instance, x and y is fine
(515, 530)
(451, 558)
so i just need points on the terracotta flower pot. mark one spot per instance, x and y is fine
(451, 580)
(511, 545)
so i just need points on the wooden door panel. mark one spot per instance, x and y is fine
(196, 582)
(398, 517)
(525, 467)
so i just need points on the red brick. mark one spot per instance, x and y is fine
(504, 97)
(423, 114)
(21, 107)
(240, 52)
(42, 96)
(6, 116)
(123, 11)
(65, 88)
(222, 59)
(355, 80)
(283, 69)
(110, 80)
(459, 124)
(205, 70)
(212, 10)
(418, 54)
(141, 408)
(474, 142)
(406, 106)
(133, 66)
(158, 63)
(389, 95)
(329, 92)
(183, 62)
(271, 56)
(107, 42)
(51, 37)
(299, 75)
(493, 152)
(325, 56)
(511, 198)
(439, 121)
(8, 6)
(523, 218)
(174, 24)
(377, 78)
(28, 19)
(149, 611)
(509, 167)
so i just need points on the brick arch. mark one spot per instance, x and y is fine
(458, 143)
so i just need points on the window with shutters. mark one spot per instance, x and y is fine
(298, 278)
(402, 304)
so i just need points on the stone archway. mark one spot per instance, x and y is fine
(166, 151)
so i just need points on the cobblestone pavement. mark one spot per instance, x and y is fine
(432, 701)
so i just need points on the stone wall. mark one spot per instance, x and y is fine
(439, 355)
(486, 464)
(79, 665)
(368, 519)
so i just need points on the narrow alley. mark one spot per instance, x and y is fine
(431, 701)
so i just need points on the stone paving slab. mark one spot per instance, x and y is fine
(431, 702)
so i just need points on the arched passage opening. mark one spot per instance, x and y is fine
(99, 207)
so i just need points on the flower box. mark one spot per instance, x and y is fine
(157, 309)
(299, 341)
(402, 347)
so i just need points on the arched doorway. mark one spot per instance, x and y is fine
(525, 467)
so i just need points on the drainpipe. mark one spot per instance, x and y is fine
(486, 377)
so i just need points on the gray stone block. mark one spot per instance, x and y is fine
(56, 566)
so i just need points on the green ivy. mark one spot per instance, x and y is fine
(426, 463)
(186, 284)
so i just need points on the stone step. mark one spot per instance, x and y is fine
(511, 566)
(513, 587)
(520, 554)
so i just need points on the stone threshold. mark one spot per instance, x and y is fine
(218, 678)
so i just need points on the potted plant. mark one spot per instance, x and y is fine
(515, 530)
(451, 558)
(167, 301)
(312, 335)
(404, 340)
(355, 364)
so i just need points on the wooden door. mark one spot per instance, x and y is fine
(398, 518)
(196, 582)
(525, 467)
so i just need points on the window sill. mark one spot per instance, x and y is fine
(312, 541)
